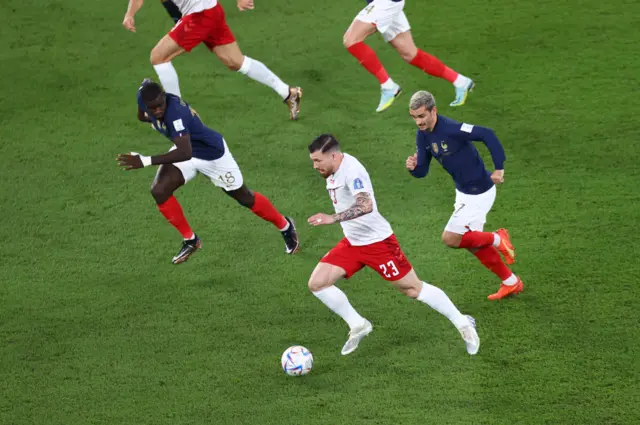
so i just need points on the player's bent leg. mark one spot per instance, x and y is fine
(168, 179)
(161, 56)
(322, 285)
(231, 56)
(263, 208)
(244, 196)
(353, 40)
(436, 298)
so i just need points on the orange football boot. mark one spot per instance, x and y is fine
(506, 248)
(506, 290)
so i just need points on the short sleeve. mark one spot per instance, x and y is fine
(177, 121)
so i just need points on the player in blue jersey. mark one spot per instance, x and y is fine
(197, 149)
(451, 144)
(388, 18)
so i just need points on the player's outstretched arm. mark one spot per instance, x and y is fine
(133, 161)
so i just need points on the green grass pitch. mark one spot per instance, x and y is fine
(97, 327)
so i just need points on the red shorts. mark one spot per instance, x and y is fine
(208, 26)
(385, 257)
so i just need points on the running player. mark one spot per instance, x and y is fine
(369, 241)
(450, 143)
(388, 18)
(203, 21)
(197, 149)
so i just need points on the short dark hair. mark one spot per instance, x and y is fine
(150, 91)
(324, 143)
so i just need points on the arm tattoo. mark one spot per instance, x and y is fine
(363, 205)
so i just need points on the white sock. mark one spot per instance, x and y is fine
(256, 70)
(338, 302)
(389, 84)
(168, 78)
(496, 240)
(435, 298)
(461, 81)
(512, 280)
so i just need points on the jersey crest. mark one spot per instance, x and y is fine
(357, 184)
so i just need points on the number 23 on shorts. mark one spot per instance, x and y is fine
(389, 269)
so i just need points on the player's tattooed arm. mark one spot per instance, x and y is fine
(363, 205)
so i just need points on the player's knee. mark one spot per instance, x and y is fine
(160, 193)
(411, 292)
(349, 40)
(156, 58)
(233, 62)
(451, 240)
(408, 55)
(316, 284)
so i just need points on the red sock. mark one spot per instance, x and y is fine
(369, 60)
(490, 258)
(172, 211)
(432, 66)
(264, 209)
(476, 239)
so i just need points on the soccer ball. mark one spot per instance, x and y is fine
(297, 361)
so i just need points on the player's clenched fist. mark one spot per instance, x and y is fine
(245, 5)
(497, 176)
(412, 162)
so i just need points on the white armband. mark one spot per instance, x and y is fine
(146, 160)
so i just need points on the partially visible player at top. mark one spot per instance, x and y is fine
(387, 17)
(203, 21)
(197, 149)
(451, 144)
(369, 241)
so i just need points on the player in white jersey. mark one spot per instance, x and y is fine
(203, 21)
(369, 241)
(387, 17)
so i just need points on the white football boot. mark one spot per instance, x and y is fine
(355, 336)
(470, 336)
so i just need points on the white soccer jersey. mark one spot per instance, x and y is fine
(192, 6)
(343, 185)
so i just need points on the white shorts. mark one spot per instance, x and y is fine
(470, 211)
(387, 16)
(223, 172)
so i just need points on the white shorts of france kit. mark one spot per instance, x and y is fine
(387, 16)
(223, 172)
(470, 211)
